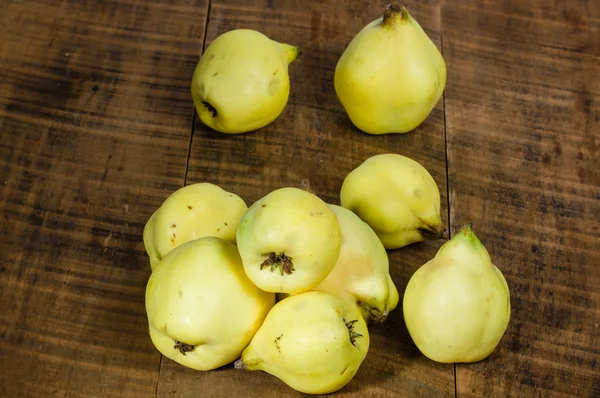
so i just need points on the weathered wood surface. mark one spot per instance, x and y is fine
(522, 112)
(96, 125)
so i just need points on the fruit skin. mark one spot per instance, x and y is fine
(361, 274)
(457, 305)
(295, 223)
(391, 75)
(241, 82)
(199, 295)
(305, 341)
(397, 197)
(191, 212)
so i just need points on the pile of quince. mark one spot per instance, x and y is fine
(290, 284)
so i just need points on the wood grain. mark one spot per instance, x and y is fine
(95, 125)
(523, 111)
(313, 139)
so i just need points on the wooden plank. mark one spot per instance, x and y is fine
(313, 139)
(95, 119)
(522, 110)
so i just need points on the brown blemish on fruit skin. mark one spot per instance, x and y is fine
(173, 235)
(276, 342)
(189, 207)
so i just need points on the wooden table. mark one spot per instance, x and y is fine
(97, 128)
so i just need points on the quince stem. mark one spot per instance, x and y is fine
(239, 364)
(466, 229)
(433, 232)
(291, 52)
(394, 12)
(374, 314)
(466, 232)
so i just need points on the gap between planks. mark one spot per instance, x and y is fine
(187, 163)
(441, 5)
(193, 124)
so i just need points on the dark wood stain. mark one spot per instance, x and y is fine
(546, 158)
(573, 16)
(557, 149)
